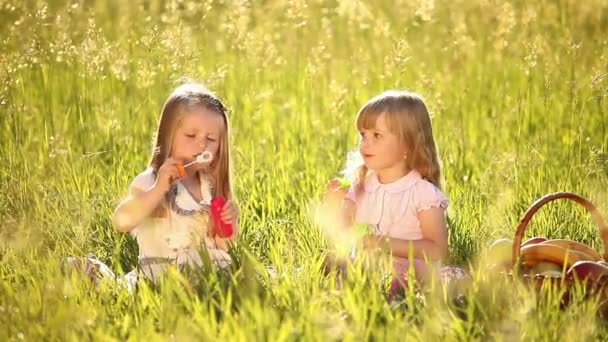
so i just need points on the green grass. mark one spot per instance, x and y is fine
(518, 95)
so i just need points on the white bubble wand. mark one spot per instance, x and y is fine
(204, 157)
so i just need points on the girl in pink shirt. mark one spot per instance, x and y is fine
(397, 186)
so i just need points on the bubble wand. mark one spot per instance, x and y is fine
(204, 157)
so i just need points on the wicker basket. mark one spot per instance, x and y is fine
(538, 280)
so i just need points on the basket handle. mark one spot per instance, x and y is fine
(597, 218)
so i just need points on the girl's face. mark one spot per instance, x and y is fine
(380, 148)
(199, 130)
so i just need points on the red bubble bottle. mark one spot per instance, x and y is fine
(222, 229)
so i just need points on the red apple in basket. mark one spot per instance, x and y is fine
(534, 240)
(587, 270)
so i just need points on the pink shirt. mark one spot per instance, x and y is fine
(390, 209)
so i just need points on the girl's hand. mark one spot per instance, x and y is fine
(230, 213)
(370, 242)
(167, 174)
(335, 191)
(373, 242)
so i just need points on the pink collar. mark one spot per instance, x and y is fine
(372, 183)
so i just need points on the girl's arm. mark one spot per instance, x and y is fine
(349, 208)
(338, 207)
(138, 205)
(434, 242)
(231, 214)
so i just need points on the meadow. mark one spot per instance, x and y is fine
(518, 94)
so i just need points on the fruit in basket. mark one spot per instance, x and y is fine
(546, 266)
(533, 254)
(551, 274)
(534, 240)
(587, 270)
(574, 246)
(500, 252)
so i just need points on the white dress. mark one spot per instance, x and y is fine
(181, 236)
(178, 239)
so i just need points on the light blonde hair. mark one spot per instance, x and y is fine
(408, 117)
(182, 99)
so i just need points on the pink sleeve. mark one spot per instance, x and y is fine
(429, 196)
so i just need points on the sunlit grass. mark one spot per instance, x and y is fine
(518, 96)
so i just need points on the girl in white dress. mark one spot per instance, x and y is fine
(167, 208)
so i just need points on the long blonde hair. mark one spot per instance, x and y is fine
(408, 117)
(185, 97)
